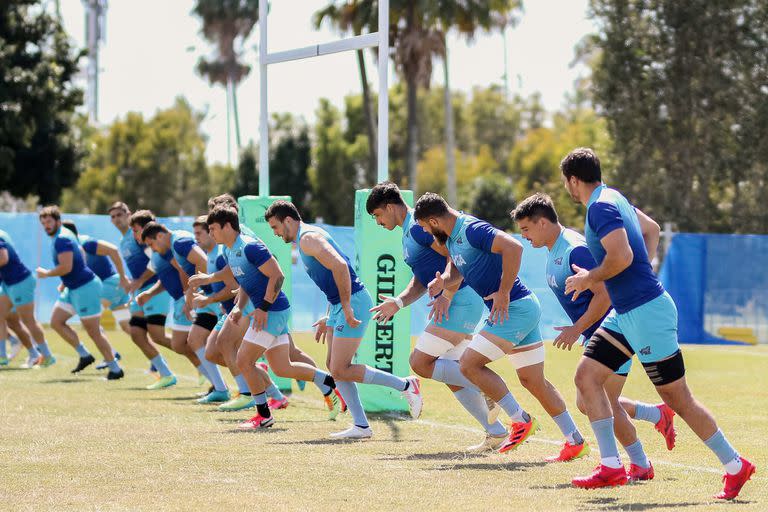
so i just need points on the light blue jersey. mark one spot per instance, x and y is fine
(101, 265)
(136, 257)
(14, 271)
(167, 274)
(244, 259)
(64, 241)
(216, 262)
(182, 243)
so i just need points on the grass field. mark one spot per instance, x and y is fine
(82, 443)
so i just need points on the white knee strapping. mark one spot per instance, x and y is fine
(432, 345)
(69, 308)
(456, 351)
(527, 357)
(121, 315)
(483, 345)
(261, 338)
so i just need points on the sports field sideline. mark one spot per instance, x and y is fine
(80, 443)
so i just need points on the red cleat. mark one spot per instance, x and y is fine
(734, 483)
(638, 473)
(277, 404)
(666, 426)
(519, 433)
(603, 476)
(570, 452)
(256, 423)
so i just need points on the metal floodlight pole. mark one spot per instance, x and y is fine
(380, 39)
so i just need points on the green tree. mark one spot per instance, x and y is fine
(247, 172)
(39, 149)
(290, 158)
(492, 198)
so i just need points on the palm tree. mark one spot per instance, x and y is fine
(354, 16)
(227, 24)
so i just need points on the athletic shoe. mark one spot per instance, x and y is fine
(163, 382)
(666, 425)
(32, 362)
(333, 403)
(238, 403)
(353, 432)
(734, 483)
(489, 444)
(519, 432)
(103, 365)
(15, 347)
(256, 423)
(83, 363)
(638, 473)
(152, 370)
(214, 397)
(341, 400)
(4, 361)
(603, 476)
(48, 361)
(414, 396)
(494, 409)
(570, 452)
(277, 404)
(301, 384)
(202, 394)
(119, 374)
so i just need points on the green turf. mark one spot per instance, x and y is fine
(81, 443)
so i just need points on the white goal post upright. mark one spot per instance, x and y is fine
(380, 39)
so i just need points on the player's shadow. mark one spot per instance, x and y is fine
(435, 456)
(13, 369)
(71, 380)
(260, 431)
(325, 441)
(611, 503)
(490, 466)
(190, 399)
(554, 487)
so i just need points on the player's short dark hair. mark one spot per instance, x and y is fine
(119, 205)
(142, 218)
(535, 207)
(223, 215)
(51, 211)
(223, 200)
(582, 163)
(282, 209)
(430, 205)
(70, 225)
(152, 229)
(383, 194)
(201, 221)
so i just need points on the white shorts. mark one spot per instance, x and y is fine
(528, 357)
(264, 339)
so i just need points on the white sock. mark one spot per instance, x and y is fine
(611, 462)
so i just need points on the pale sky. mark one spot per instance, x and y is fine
(152, 47)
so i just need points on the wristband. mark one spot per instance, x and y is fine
(265, 305)
(399, 302)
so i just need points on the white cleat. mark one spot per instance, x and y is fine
(489, 444)
(15, 347)
(353, 432)
(494, 409)
(414, 396)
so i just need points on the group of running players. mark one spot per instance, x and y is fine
(223, 290)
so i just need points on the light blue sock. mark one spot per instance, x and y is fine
(3, 352)
(274, 392)
(603, 430)
(242, 384)
(569, 429)
(475, 405)
(512, 408)
(44, 349)
(260, 398)
(82, 351)
(647, 412)
(113, 366)
(449, 372)
(319, 380)
(202, 370)
(637, 454)
(161, 366)
(212, 371)
(33, 352)
(380, 378)
(722, 448)
(348, 392)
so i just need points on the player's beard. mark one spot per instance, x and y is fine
(441, 236)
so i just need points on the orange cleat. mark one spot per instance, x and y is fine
(603, 476)
(570, 452)
(639, 473)
(666, 426)
(341, 400)
(734, 483)
(519, 433)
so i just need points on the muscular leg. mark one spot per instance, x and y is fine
(59, 319)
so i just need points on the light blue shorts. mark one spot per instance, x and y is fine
(22, 292)
(223, 318)
(466, 311)
(650, 329)
(220, 324)
(3, 293)
(180, 320)
(522, 326)
(84, 301)
(160, 304)
(361, 304)
(277, 322)
(113, 293)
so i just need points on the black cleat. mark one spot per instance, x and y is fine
(84, 362)
(103, 365)
(116, 375)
